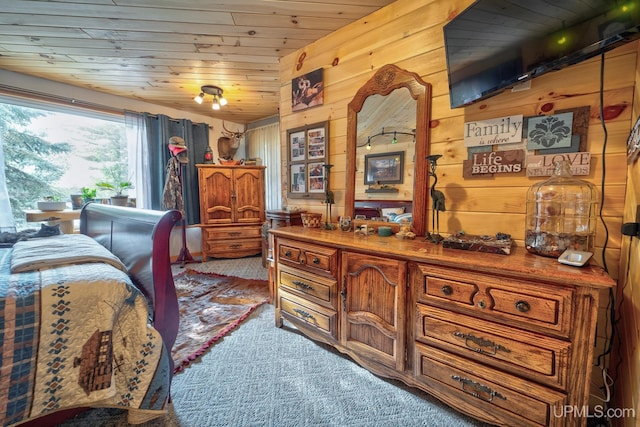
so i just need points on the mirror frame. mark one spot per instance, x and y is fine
(383, 82)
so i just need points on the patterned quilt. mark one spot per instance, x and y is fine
(76, 336)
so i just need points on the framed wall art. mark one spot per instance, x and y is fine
(307, 153)
(384, 168)
(307, 90)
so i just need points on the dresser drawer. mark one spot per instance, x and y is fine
(509, 399)
(298, 310)
(313, 258)
(226, 233)
(288, 253)
(317, 289)
(513, 302)
(530, 355)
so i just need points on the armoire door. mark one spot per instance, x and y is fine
(247, 197)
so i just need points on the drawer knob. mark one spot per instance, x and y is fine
(476, 389)
(523, 306)
(482, 304)
(447, 290)
(316, 260)
(287, 254)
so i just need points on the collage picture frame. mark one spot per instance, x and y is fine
(307, 153)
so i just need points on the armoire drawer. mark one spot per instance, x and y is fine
(319, 318)
(317, 289)
(530, 355)
(222, 247)
(226, 233)
(547, 308)
(313, 258)
(511, 400)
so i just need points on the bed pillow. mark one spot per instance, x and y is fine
(56, 251)
(392, 212)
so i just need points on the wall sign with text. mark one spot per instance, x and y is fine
(544, 165)
(493, 162)
(504, 130)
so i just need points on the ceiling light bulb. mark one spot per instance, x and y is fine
(223, 101)
(199, 98)
(216, 104)
(368, 147)
(394, 140)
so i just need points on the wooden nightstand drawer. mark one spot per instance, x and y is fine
(313, 258)
(510, 400)
(530, 355)
(315, 288)
(319, 318)
(546, 308)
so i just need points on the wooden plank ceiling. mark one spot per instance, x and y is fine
(163, 51)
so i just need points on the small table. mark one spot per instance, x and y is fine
(65, 218)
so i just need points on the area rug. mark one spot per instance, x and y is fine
(211, 305)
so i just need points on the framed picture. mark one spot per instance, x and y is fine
(298, 179)
(307, 91)
(384, 168)
(306, 156)
(316, 143)
(316, 177)
(298, 147)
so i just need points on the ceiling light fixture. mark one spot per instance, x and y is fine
(216, 92)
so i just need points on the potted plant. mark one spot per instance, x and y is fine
(118, 198)
(85, 196)
(51, 203)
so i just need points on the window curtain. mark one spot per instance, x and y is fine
(264, 142)
(7, 224)
(159, 128)
(138, 148)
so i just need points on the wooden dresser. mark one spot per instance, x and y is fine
(232, 210)
(507, 339)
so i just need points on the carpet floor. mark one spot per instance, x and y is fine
(260, 375)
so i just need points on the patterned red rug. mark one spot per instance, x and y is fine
(211, 305)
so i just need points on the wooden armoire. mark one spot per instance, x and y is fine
(232, 210)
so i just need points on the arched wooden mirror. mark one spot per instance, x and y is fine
(377, 105)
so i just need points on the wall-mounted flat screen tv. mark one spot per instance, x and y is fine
(493, 45)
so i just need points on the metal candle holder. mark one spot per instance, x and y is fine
(329, 198)
(437, 202)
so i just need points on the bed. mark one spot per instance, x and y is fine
(369, 209)
(89, 320)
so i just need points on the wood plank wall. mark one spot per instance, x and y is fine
(627, 348)
(408, 33)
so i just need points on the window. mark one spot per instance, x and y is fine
(55, 151)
